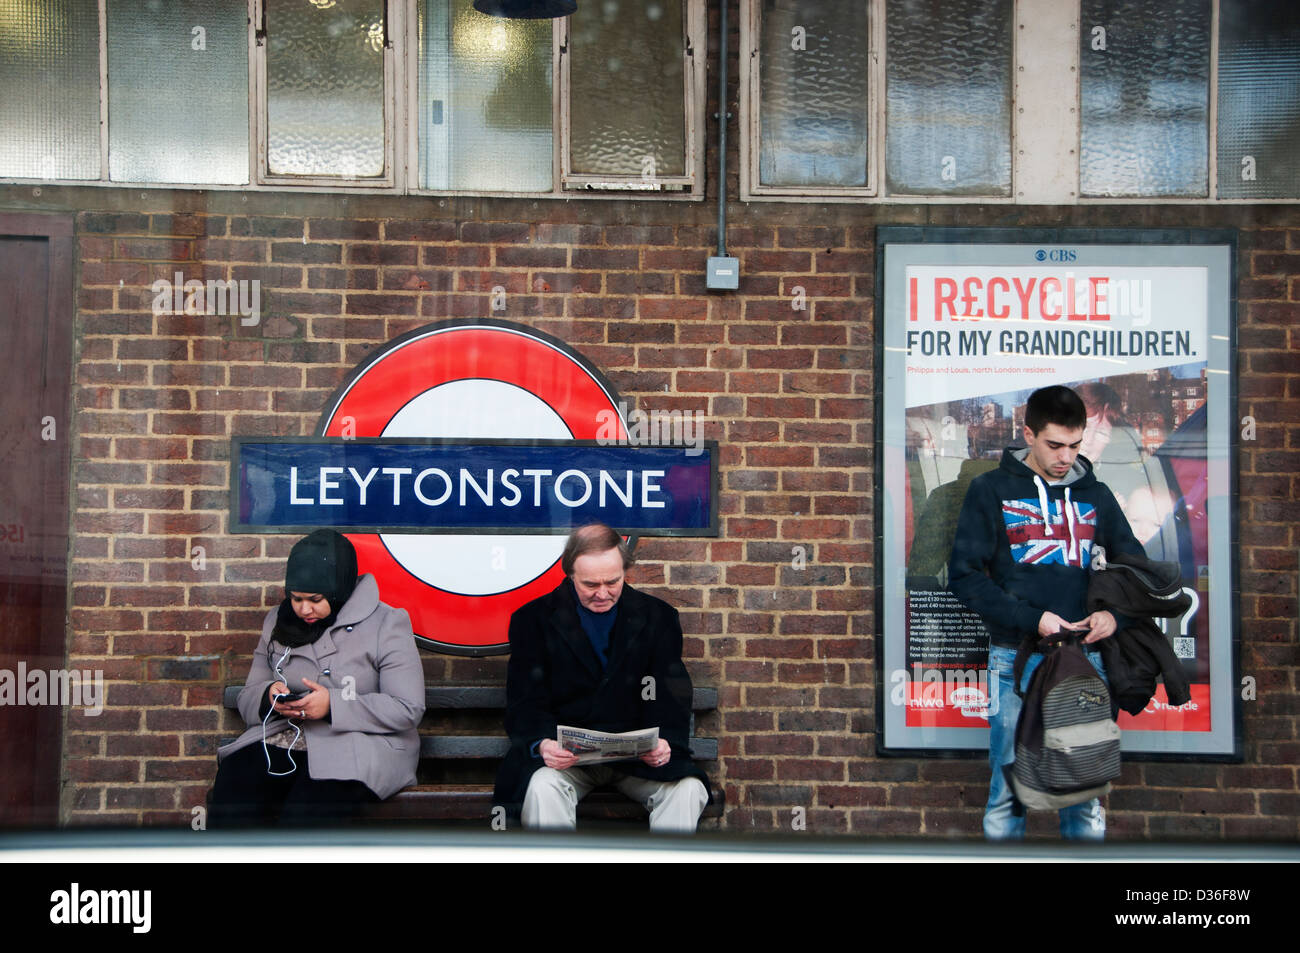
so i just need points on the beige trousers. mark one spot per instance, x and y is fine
(552, 799)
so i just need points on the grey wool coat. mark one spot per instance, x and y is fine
(368, 661)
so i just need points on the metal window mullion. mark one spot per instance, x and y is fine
(257, 63)
(251, 97)
(876, 98)
(695, 51)
(750, 97)
(1045, 71)
(408, 120)
(394, 97)
(563, 137)
(102, 8)
(1212, 110)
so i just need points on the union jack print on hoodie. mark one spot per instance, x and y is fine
(1023, 544)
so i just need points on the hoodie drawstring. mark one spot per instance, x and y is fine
(1071, 551)
(1072, 548)
(1043, 505)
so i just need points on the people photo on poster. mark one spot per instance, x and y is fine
(1140, 326)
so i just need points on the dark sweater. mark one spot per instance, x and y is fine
(1011, 563)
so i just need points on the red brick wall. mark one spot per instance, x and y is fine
(787, 393)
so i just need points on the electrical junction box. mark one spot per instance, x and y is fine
(723, 274)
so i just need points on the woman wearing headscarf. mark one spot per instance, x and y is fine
(333, 699)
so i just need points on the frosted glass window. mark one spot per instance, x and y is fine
(485, 100)
(627, 92)
(1144, 80)
(1259, 99)
(325, 87)
(948, 85)
(178, 91)
(49, 74)
(813, 93)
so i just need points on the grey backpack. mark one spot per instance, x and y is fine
(1067, 742)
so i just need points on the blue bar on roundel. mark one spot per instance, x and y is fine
(379, 485)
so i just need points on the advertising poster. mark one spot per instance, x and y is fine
(973, 321)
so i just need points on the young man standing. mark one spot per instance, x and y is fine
(1020, 559)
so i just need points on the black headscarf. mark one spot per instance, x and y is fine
(325, 563)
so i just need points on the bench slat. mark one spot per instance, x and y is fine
(451, 697)
(497, 746)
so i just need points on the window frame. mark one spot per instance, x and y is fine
(751, 112)
(694, 95)
(401, 122)
(1045, 139)
(259, 100)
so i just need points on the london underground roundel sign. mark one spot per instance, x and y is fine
(457, 458)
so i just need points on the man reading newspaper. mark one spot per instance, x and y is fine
(596, 654)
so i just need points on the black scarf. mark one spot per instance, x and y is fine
(323, 563)
(294, 632)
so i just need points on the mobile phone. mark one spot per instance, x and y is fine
(292, 696)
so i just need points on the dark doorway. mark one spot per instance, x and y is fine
(36, 314)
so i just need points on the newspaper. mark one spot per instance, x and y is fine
(599, 746)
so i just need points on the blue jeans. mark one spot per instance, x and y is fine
(1085, 821)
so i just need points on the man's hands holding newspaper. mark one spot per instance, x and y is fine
(659, 757)
(557, 757)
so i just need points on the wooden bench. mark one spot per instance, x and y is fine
(462, 742)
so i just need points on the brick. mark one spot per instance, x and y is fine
(532, 256)
(102, 769)
(779, 648)
(803, 236)
(664, 259)
(778, 744)
(1285, 805)
(112, 222)
(180, 769)
(883, 770)
(419, 231)
(641, 331)
(190, 374)
(811, 721)
(749, 769)
(508, 232)
(314, 253)
(632, 283)
(781, 358)
(797, 262)
(809, 769)
(671, 357)
(1260, 828)
(674, 309)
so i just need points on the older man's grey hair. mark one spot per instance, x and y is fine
(593, 538)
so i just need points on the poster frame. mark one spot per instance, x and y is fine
(1048, 237)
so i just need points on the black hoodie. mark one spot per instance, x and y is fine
(1011, 564)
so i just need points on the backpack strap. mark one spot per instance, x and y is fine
(1026, 649)
(1030, 643)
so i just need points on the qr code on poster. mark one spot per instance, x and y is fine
(1185, 648)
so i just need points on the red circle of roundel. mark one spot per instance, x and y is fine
(438, 354)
